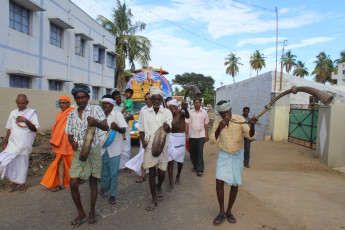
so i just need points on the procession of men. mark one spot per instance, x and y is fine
(109, 147)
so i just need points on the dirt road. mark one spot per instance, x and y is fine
(287, 187)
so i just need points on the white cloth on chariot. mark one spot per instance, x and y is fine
(114, 149)
(150, 122)
(125, 149)
(14, 160)
(177, 147)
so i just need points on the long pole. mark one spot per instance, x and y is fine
(281, 68)
(275, 72)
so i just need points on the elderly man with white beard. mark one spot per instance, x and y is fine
(152, 119)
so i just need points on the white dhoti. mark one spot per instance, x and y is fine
(151, 161)
(177, 147)
(14, 160)
(136, 162)
(126, 150)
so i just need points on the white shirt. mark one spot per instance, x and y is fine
(114, 149)
(150, 121)
(29, 114)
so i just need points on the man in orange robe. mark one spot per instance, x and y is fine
(57, 175)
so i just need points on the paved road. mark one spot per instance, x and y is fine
(287, 187)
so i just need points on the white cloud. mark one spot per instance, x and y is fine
(257, 41)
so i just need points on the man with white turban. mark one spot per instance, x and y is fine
(177, 138)
(152, 119)
(228, 132)
(111, 154)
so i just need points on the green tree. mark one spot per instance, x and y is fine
(300, 70)
(257, 61)
(323, 69)
(199, 80)
(341, 59)
(129, 46)
(209, 97)
(232, 62)
(289, 60)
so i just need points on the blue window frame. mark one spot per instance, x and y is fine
(19, 82)
(55, 37)
(19, 18)
(55, 85)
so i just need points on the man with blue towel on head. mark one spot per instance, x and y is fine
(228, 132)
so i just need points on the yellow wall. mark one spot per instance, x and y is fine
(279, 122)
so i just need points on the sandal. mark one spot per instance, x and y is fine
(193, 170)
(199, 174)
(219, 219)
(169, 189)
(14, 187)
(177, 182)
(58, 188)
(113, 203)
(140, 180)
(77, 223)
(150, 207)
(231, 218)
(159, 195)
(22, 189)
(101, 193)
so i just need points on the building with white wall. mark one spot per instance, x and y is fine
(340, 76)
(54, 45)
(258, 91)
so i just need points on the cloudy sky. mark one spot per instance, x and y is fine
(196, 35)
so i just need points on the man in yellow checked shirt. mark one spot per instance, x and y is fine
(228, 133)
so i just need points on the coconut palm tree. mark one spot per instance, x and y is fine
(300, 70)
(289, 61)
(128, 45)
(257, 61)
(324, 68)
(232, 62)
(341, 59)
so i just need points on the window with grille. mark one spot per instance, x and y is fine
(55, 37)
(79, 46)
(95, 93)
(55, 85)
(110, 60)
(19, 82)
(19, 18)
(98, 54)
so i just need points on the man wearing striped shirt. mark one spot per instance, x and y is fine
(197, 135)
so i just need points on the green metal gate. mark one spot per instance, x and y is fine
(303, 126)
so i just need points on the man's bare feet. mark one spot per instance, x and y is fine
(80, 219)
(92, 219)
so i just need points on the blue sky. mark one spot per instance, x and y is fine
(196, 35)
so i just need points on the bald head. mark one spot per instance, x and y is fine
(22, 96)
(22, 101)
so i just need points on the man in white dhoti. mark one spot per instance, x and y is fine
(136, 163)
(228, 133)
(177, 138)
(152, 119)
(22, 126)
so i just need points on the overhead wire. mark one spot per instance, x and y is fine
(198, 36)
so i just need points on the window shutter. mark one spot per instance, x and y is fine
(78, 45)
(95, 53)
